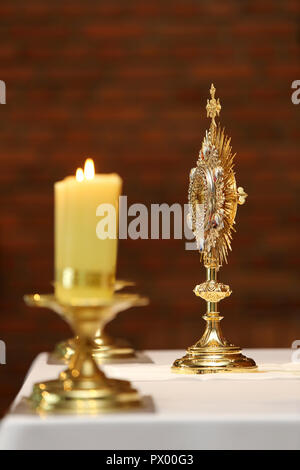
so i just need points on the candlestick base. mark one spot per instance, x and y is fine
(89, 396)
(104, 349)
(64, 350)
(83, 387)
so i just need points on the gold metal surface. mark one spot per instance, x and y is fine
(213, 106)
(213, 186)
(70, 277)
(104, 347)
(83, 387)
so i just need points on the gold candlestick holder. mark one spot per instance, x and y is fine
(104, 347)
(213, 200)
(83, 387)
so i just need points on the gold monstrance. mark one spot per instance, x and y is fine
(213, 200)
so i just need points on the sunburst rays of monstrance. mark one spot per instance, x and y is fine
(213, 199)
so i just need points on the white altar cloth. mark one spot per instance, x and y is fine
(184, 412)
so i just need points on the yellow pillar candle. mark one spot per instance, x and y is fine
(85, 265)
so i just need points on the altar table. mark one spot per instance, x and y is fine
(182, 412)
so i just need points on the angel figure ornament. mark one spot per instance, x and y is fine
(213, 199)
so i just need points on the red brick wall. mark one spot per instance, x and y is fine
(126, 82)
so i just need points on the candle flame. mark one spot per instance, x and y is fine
(79, 174)
(89, 169)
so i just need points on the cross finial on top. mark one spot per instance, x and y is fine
(213, 106)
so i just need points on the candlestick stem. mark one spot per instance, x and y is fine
(104, 348)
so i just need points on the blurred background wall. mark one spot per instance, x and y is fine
(126, 82)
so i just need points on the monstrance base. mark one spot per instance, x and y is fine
(213, 360)
(55, 396)
(104, 350)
